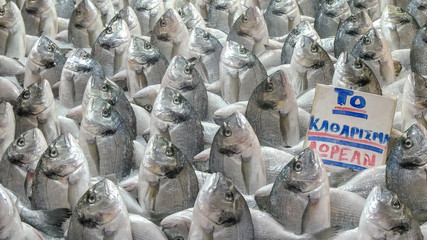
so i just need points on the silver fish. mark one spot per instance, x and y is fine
(175, 119)
(13, 40)
(309, 7)
(220, 212)
(9, 216)
(10, 90)
(129, 15)
(7, 126)
(240, 72)
(353, 73)
(40, 18)
(170, 35)
(302, 186)
(148, 13)
(273, 111)
(11, 67)
(310, 64)
(281, 17)
(19, 162)
(78, 68)
(167, 181)
(145, 65)
(350, 31)
(374, 50)
(182, 77)
(418, 54)
(237, 154)
(398, 27)
(146, 97)
(106, 9)
(111, 45)
(178, 224)
(414, 101)
(45, 61)
(191, 16)
(100, 213)
(363, 182)
(85, 25)
(372, 7)
(35, 107)
(418, 9)
(304, 28)
(223, 13)
(330, 16)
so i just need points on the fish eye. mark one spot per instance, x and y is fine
(188, 70)
(244, 18)
(20, 142)
(147, 45)
(206, 36)
(109, 30)
(85, 56)
(176, 100)
(407, 143)
(314, 48)
(53, 152)
(227, 132)
(148, 107)
(270, 87)
(298, 166)
(181, 13)
(358, 63)
(91, 198)
(162, 22)
(106, 112)
(367, 40)
(229, 196)
(399, 10)
(169, 152)
(104, 87)
(353, 18)
(78, 12)
(2, 11)
(26, 94)
(395, 203)
(242, 50)
(297, 31)
(50, 48)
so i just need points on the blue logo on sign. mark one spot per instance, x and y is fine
(357, 103)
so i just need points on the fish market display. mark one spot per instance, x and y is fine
(177, 119)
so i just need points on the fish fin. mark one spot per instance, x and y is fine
(47, 221)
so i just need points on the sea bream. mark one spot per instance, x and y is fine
(372, 7)
(191, 16)
(12, 31)
(330, 16)
(222, 14)
(167, 182)
(148, 12)
(281, 16)
(40, 18)
(129, 15)
(7, 126)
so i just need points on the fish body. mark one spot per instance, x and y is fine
(372, 7)
(148, 12)
(191, 16)
(223, 13)
(281, 17)
(418, 54)
(40, 18)
(12, 31)
(331, 14)
(9, 218)
(106, 9)
(7, 126)
(129, 15)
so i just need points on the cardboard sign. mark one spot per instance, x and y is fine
(350, 129)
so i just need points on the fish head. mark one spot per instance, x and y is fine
(304, 173)
(104, 88)
(273, 92)
(6, 113)
(410, 151)
(115, 34)
(168, 25)
(304, 28)
(143, 52)
(202, 42)
(220, 201)
(9, 14)
(63, 157)
(101, 118)
(181, 74)
(370, 46)
(364, 4)
(358, 23)
(146, 5)
(45, 52)
(34, 99)
(129, 16)
(146, 97)
(162, 158)
(237, 56)
(334, 8)
(79, 61)
(26, 149)
(171, 106)
(397, 15)
(37, 6)
(282, 7)
(190, 15)
(250, 23)
(99, 205)
(384, 210)
(84, 14)
(308, 53)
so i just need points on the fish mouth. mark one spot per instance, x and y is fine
(227, 219)
(91, 222)
(317, 65)
(267, 105)
(367, 56)
(49, 65)
(401, 229)
(352, 32)
(163, 37)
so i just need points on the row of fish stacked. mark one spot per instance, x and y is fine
(174, 77)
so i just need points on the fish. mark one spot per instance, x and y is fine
(111, 45)
(100, 213)
(363, 182)
(10, 90)
(64, 159)
(45, 61)
(330, 15)
(303, 28)
(167, 182)
(350, 31)
(18, 164)
(191, 17)
(372, 7)
(310, 64)
(106, 9)
(206, 51)
(7, 126)
(35, 107)
(398, 27)
(9, 216)
(146, 97)
(240, 72)
(148, 13)
(273, 111)
(352, 73)
(417, 8)
(85, 25)
(143, 228)
(182, 77)
(13, 40)
(250, 30)
(220, 212)
(145, 66)
(106, 140)
(346, 208)
(175, 119)
(414, 101)
(236, 153)
(129, 15)
(178, 224)
(405, 169)
(373, 49)
(170, 35)
(281, 17)
(302, 186)
(78, 68)
(418, 52)
(64, 8)
(11, 67)
(40, 18)
(222, 14)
